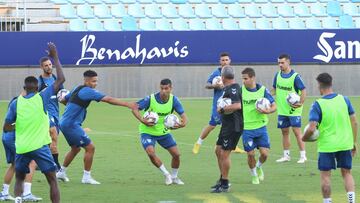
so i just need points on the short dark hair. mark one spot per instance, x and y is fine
(90, 73)
(222, 54)
(249, 71)
(228, 72)
(165, 81)
(30, 80)
(284, 56)
(43, 59)
(324, 80)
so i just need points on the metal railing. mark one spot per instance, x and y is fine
(11, 17)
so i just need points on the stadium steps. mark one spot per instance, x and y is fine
(47, 27)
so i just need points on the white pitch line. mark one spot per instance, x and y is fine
(182, 143)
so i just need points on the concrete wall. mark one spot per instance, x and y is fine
(189, 81)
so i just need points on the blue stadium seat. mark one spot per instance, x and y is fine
(196, 24)
(355, 1)
(147, 24)
(112, 25)
(309, 1)
(202, 11)
(296, 23)
(324, 1)
(329, 23)
(136, 10)
(211, 1)
(94, 1)
(318, 10)
(162, 24)
(228, 1)
(263, 24)
(333, 8)
(162, 1)
(195, 1)
(169, 11)
(77, 25)
(219, 11)
(118, 10)
(186, 11)
(110, 1)
(178, 1)
(246, 24)
(102, 11)
(95, 25)
(280, 24)
(153, 11)
(302, 10)
(213, 24)
(313, 23)
(85, 11)
(229, 24)
(54, 1)
(277, 1)
(260, 1)
(180, 24)
(144, 1)
(346, 22)
(293, 1)
(286, 10)
(268, 10)
(128, 23)
(245, 1)
(357, 23)
(76, 1)
(67, 11)
(351, 9)
(127, 1)
(236, 11)
(253, 11)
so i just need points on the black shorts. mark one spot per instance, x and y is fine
(228, 140)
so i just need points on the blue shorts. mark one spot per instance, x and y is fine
(166, 141)
(255, 139)
(8, 140)
(75, 135)
(333, 160)
(289, 121)
(54, 122)
(42, 157)
(215, 119)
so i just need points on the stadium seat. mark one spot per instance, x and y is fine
(333, 8)
(127, 1)
(95, 25)
(147, 24)
(112, 25)
(318, 10)
(219, 11)
(262, 24)
(196, 24)
(211, 1)
(324, 1)
(296, 23)
(118, 10)
(236, 11)
(357, 23)
(110, 1)
(162, 24)
(228, 1)
(76, 1)
(85, 11)
(128, 23)
(351, 9)
(246, 24)
(293, 1)
(102, 11)
(67, 11)
(178, 1)
(286, 10)
(136, 10)
(253, 11)
(312, 23)
(244, 1)
(94, 1)
(280, 24)
(195, 1)
(309, 1)
(260, 1)
(329, 23)
(355, 1)
(180, 24)
(268, 10)
(153, 11)
(302, 10)
(77, 25)
(202, 11)
(162, 1)
(277, 1)
(186, 11)
(169, 11)
(144, 1)
(346, 22)
(54, 1)
(229, 24)
(213, 24)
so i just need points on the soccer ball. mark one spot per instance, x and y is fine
(293, 98)
(61, 94)
(315, 135)
(262, 104)
(222, 102)
(217, 80)
(171, 120)
(151, 116)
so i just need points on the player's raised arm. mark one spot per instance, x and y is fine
(52, 51)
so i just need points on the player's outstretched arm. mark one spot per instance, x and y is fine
(118, 102)
(354, 126)
(136, 113)
(309, 132)
(52, 52)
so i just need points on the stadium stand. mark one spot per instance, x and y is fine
(117, 15)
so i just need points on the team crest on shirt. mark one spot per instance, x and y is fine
(250, 143)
